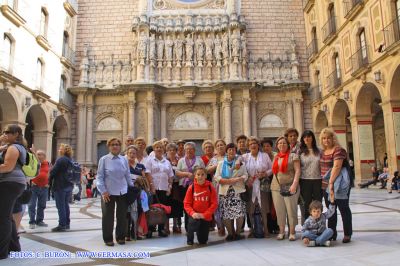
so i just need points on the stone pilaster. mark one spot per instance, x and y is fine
(227, 115)
(131, 117)
(254, 116)
(289, 110)
(163, 120)
(298, 114)
(150, 116)
(89, 133)
(246, 117)
(81, 132)
(216, 120)
(391, 114)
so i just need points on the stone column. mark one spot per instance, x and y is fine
(391, 114)
(89, 134)
(131, 118)
(254, 117)
(289, 110)
(246, 117)
(163, 120)
(81, 132)
(125, 122)
(43, 140)
(298, 114)
(150, 117)
(341, 134)
(227, 116)
(216, 120)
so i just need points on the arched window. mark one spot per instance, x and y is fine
(44, 20)
(331, 18)
(314, 39)
(65, 44)
(39, 73)
(8, 43)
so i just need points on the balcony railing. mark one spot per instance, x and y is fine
(69, 54)
(316, 92)
(350, 6)
(334, 80)
(312, 48)
(392, 33)
(360, 59)
(329, 29)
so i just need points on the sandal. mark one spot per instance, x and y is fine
(280, 236)
(292, 237)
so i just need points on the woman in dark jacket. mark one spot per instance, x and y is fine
(12, 184)
(61, 187)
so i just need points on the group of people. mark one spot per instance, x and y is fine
(228, 184)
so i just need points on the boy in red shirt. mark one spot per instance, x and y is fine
(200, 204)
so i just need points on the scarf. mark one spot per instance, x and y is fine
(284, 165)
(190, 163)
(227, 168)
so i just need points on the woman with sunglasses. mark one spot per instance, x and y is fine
(12, 184)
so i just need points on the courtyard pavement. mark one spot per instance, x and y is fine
(376, 241)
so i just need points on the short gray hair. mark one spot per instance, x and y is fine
(190, 143)
(172, 146)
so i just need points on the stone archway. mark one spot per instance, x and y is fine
(341, 125)
(321, 122)
(60, 135)
(370, 126)
(8, 109)
(37, 129)
(392, 113)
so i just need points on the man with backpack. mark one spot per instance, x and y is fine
(39, 188)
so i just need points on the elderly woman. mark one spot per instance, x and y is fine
(332, 158)
(113, 179)
(160, 174)
(136, 170)
(12, 185)
(231, 181)
(208, 151)
(185, 168)
(310, 181)
(61, 187)
(285, 187)
(140, 143)
(178, 192)
(258, 165)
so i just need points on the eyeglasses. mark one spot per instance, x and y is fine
(115, 145)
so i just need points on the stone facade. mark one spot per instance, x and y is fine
(353, 54)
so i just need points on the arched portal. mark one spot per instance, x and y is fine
(36, 130)
(341, 125)
(60, 135)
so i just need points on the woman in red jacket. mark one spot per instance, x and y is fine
(200, 203)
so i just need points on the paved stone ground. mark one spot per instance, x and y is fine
(376, 222)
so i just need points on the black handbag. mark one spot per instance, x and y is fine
(26, 196)
(284, 189)
(265, 184)
(245, 196)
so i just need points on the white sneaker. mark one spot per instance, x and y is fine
(311, 243)
(327, 243)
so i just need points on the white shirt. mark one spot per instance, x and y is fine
(161, 171)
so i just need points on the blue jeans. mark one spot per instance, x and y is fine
(38, 199)
(319, 239)
(62, 197)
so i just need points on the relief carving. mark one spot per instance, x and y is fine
(189, 114)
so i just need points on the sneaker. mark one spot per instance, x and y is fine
(189, 242)
(42, 224)
(312, 243)
(58, 229)
(327, 243)
(32, 226)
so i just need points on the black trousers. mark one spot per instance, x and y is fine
(345, 212)
(310, 190)
(107, 220)
(201, 227)
(9, 241)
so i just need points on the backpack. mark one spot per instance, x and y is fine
(31, 166)
(73, 174)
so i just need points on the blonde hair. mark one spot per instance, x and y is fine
(219, 140)
(329, 133)
(67, 149)
(207, 141)
(113, 139)
(138, 139)
(131, 147)
(158, 143)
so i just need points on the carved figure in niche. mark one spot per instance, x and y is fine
(135, 46)
(142, 46)
(225, 46)
(217, 48)
(235, 46)
(179, 49)
(159, 4)
(209, 48)
(243, 43)
(152, 47)
(160, 48)
(169, 44)
(189, 47)
(199, 48)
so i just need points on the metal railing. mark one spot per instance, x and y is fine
(69, 54)
(316, 93)
(334, 80)
(360, 59)
(392, 33)
(312, 48)
(329, 29)
(349, 5)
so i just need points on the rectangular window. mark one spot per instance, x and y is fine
(39, 74)
(43, 23)
(363, 45)
(337, 66)
(6, 60)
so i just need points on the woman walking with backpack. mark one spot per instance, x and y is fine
(12, 184)
(62, 187)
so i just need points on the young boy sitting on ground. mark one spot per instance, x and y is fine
(200, 204)
(314, 232)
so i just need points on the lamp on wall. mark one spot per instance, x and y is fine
(346, 96)
(28, 101)
(378, 76)
(325, 108)
(55, 113)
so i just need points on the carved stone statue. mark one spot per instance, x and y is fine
(199, 48)
(142, 46)
(209, 48)
(189, 47)
(160, 48)
(243, 43)
(235, 46)
(152, 47)
(225, 46)
(178, 49)
(217, 48)
(169, 44)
